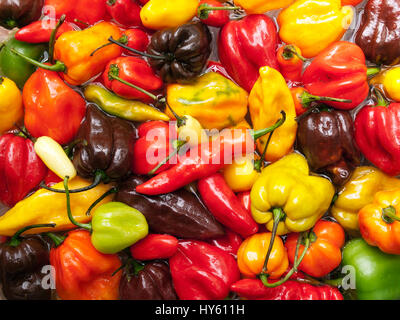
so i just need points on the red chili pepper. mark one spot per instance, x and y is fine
(290, 62)
(246, 45)
(135, 71)
(152, 147)
(244, 199)
(21, 170)
(226, 208)
(338, 72)
(230, 242)
(377, 129)
(51, 107)
(155, 246)
(125, 12)
(201, 271)
(136, 39)
(213, 13)
(40, 31)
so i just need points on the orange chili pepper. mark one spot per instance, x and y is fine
(290, 62)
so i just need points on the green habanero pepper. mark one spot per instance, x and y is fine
(126, 109)
(13, 66)
(377, 273)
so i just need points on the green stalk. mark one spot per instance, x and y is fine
(151, 56)
(58, 240)
(53, 37)
(57, 67)
(389, 215)
(259, 133)
(15, 240)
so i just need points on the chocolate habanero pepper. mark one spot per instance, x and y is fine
(326, 138)
(378, 35)
(151, 281)
(82, 272)
(339, 71)
(52, 108)
(246, 45)
(179, 213)
(223, 204)
(19, 13)
(359, 191)
(125, 12)
(377, 129)
(21, 170)
(201, 271)
(154, 246)
(21, 264)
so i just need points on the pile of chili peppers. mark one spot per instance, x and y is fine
(200, 149)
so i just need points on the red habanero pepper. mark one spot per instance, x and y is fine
(377, 133)
(230, 242)
(244, 199)
(324, 253)
(201, 271)
(290, 62)
(213, 13)
(152, 147)
(51, 107)
(339, 71)
(21, 170)
(225, 207)
(205, 160)
(40, 31)
(155, 246)
(125, 12)
(246, 45)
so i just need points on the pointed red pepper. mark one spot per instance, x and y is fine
(155, 246)
(125, 12)
(40, 31)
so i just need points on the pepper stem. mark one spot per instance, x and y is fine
(58, 240)
(380, 99)
(289, 51)
(373, 71)
(259, 133)
(123, 40)
(103, 196)
(204, 9)
(57, 67)
(178, 145)
(389, 215)
(53, 37)
(15, 240)
(151, 56)
(306, 99)
(86, 226)
(180, 120)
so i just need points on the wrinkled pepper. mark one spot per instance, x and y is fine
(19, 13)
(10, 104)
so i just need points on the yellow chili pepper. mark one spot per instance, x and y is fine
(313, 25)
(268, 97)
(10, 104)
(261, 6)
(162, 14)
(49, 207)
(286, 192)
(359, 191)
(389, 82)
(212, 99)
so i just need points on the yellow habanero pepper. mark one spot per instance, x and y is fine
(74, 49)
(162, 14)
(390, 83)
(286, 193)
(261, 6)
(241, 174)
(268, 97)
(10, 104)
(49, 207)
(313, 25)
(212, 99)
(359, 191)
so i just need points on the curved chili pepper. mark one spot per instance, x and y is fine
(155, 246)
(40, 31)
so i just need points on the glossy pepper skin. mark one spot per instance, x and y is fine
(223, 204)
(52, 108)
(124, 12)
(74, 49)
(324, 253)
(82, 272)
(339, 71)
(185, 49)
(178, 213)
(378, 34)
(21, 269)
(49, 207)
(230, 242)
(214, 18)
(268, 97)
(252, 252)
(326, 138)
(254, 289)
(246, 45)
(133, 70)
(13, 66)
(109, 146)
(151, 282)
(11, 109)
(290, 65)
(154, 246)
(21, 170)
(376, 131)
(213, 100)
(287, 184)
(19, 13)
(379, 222)
(359, 191)
(201, 271)
(314, 25)
(262, 6)
(377, 276)
(389, 81)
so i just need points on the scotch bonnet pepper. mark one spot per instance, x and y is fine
(312, 25)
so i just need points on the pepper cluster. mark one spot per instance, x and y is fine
(200, 149)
